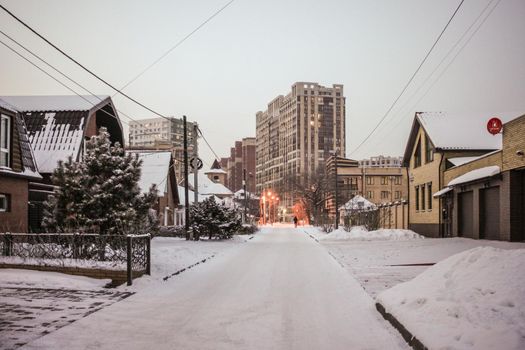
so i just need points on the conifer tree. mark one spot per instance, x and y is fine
(100, 193)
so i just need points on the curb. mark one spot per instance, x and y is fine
(411, 340)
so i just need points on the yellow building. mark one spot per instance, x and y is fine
(439, 141)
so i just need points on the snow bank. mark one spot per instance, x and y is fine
(471, 300)
(360, 233)
(44, 279)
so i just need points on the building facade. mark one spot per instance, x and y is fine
(381, 162)
(242, 158)
(163, 134)
(296, 134)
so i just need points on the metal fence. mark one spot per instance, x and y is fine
(131, 252)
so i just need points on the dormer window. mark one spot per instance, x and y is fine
(5, 141)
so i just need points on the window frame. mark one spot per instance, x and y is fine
(429, 198)
(7, 150)
(7, 199)
(417, 198)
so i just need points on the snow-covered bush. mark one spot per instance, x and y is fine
(100, 193)
(212, 219)
(247, 229)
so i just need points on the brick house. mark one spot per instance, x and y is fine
(17, 169)
(56, 128)
(486, 195)
(439, 141)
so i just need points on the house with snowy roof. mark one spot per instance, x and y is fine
(57, 127)
(158, 168)
(17, 169)
(439, 141)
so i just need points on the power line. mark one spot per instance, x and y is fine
(180, 42)
(81, 65)
(411, 78)
(456, 44)
(52, 77)
(207, 143)
(62, 73)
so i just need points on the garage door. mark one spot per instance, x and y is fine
(489, 213)
(465, 214)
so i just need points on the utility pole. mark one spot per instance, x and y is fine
(336, 193)
(186, 192)
(245, 196)
(195, 165)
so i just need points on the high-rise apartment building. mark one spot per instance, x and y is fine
(296, 134)
(162, 134)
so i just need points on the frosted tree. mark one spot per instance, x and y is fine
(212, 219)
(100, 193)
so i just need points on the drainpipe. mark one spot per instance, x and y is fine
(441, 231)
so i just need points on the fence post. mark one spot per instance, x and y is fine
(148, 255)
(8, 244)
(128, 257)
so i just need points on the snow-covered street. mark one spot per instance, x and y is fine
(280, 290)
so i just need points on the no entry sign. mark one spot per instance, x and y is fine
(494, 125)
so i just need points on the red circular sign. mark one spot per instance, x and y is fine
(494, 125)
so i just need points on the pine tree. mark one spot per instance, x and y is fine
(213, 219)
(100, 193)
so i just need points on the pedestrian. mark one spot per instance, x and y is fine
(295, 221)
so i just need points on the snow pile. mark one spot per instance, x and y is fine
(360, 233)
(13, 278)
(471, 300)
(476, 174)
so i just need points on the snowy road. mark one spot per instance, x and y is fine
(281, 290)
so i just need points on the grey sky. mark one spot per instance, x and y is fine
(254, 50)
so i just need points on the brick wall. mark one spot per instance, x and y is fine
(492, 159)
(513, 141)
(15, 219)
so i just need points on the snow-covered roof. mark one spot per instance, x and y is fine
(476, 174)
(56, 103)
(207, 186)
(54, 138)
(456, 161)
(191, 196)
(442, 192)
(155, 170)
(463, 131)
(240, 194)
(215, 171)
(358, 203)
(457, 131)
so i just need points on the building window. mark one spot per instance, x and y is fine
(417, 198)
(5, 141)
(369, 180)
(429, 186)
(369, 194)
(423, 197)
(397, 180)
(384, 194)
(4, 202)
(398, 194)
(384, 180)
(429, 150)
(417, 154)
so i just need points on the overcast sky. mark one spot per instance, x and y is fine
(255, 50)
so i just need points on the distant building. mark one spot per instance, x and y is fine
(384, 183)
(381, 162)
(162, 134)
(242, 157)
(296, 134)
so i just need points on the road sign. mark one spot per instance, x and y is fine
(494, 126)
(196, 163)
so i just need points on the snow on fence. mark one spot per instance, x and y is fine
(388, 215)
(130, 253)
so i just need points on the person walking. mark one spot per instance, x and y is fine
(295, 221)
